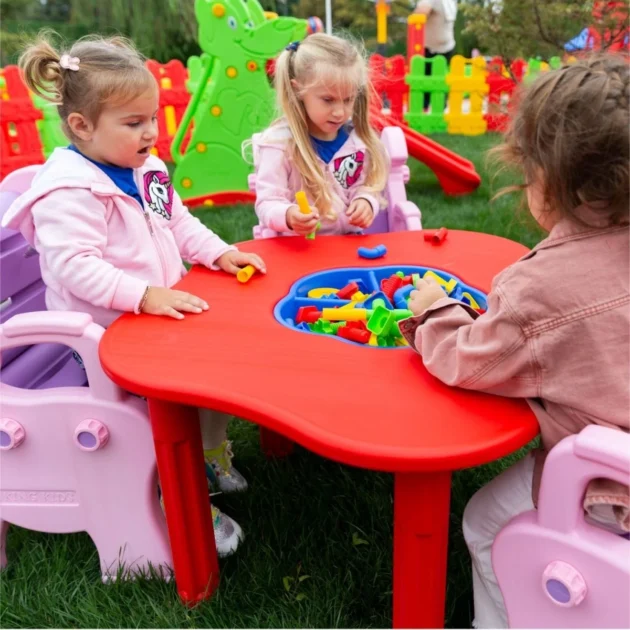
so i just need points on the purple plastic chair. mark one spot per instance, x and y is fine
(400, 214)
(554, 569)
(22, 291)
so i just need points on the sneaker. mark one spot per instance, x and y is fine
(220, 472)
(227, 532)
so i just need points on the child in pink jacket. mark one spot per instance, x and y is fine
(557, 327)
(110, 229)
(323, 144)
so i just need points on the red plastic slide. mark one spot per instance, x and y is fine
(456, 175)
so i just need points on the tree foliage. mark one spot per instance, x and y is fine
(529, 28)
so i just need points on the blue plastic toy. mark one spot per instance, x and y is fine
(375, 252)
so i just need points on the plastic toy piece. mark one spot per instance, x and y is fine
(448, 286)
(402, 313)
(401, 341)
(348, 291)
(401, 295)
(322, 292)
(245, 273)
(414, 279)
(373, 340)
(354, 334)
(372, 253)
(389, 286)
(349, 315)
(308, 314)
(436, 237)
(359, 296)
(381, 321)
(469, 299)
(305, 208)
(378, 298)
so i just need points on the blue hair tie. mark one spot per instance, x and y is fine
(293, 46)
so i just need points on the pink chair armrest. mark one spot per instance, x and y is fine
(404, 216)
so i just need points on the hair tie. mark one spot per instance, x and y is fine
(293, 46)
(69, 63)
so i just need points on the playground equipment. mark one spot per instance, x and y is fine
(19, 138)
(233, 98)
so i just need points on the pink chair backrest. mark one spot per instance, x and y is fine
(399, 214)
(22, 291)
(554, 569)
(79, 458)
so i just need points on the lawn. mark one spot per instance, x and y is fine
(319, 535)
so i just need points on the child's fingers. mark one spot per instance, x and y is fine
(191, 299)
(169, 311)
(186, 307)
(257, 261)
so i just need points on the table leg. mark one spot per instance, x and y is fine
(179, 453)
(274, 444)
(421, 515)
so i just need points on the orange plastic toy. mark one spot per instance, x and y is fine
(237, 358)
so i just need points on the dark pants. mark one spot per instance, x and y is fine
(429, 68)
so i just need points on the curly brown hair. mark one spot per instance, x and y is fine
(569, 134)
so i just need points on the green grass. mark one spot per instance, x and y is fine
(303, 515)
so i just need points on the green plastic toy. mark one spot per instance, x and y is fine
(232, 96)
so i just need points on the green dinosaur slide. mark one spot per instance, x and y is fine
(232, 97)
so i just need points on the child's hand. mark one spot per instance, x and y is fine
(302, 224)
(360, 213)
(427, 293)
(163, 301)
(233, 260)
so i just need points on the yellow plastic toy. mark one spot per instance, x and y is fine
(321, 292)
(373, 340)
(473, 123)
(448, 286)
(471, 300)
(358, 296)
(245, 273)
(344, 315)
(305, 208)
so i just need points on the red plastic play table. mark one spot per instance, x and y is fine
(368, 407)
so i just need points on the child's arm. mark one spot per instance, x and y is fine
(273, 196)
(489, 353)
(72, 235)
(197, 244)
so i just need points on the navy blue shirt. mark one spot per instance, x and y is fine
(326, 149)
(122, 177)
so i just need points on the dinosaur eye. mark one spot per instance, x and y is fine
(232, 23)
(249, 24)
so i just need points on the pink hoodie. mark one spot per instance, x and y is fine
(98, 248)
(277, 180)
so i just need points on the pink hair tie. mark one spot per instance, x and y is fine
(69, 63)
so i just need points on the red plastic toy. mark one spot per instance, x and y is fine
(435, 237)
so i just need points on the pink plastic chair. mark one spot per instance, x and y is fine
(400, 214)
(80, 458)
(554, 569)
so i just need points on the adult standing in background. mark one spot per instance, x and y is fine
(439, 30)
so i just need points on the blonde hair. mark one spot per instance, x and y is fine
(111, 72)
(326, 59)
